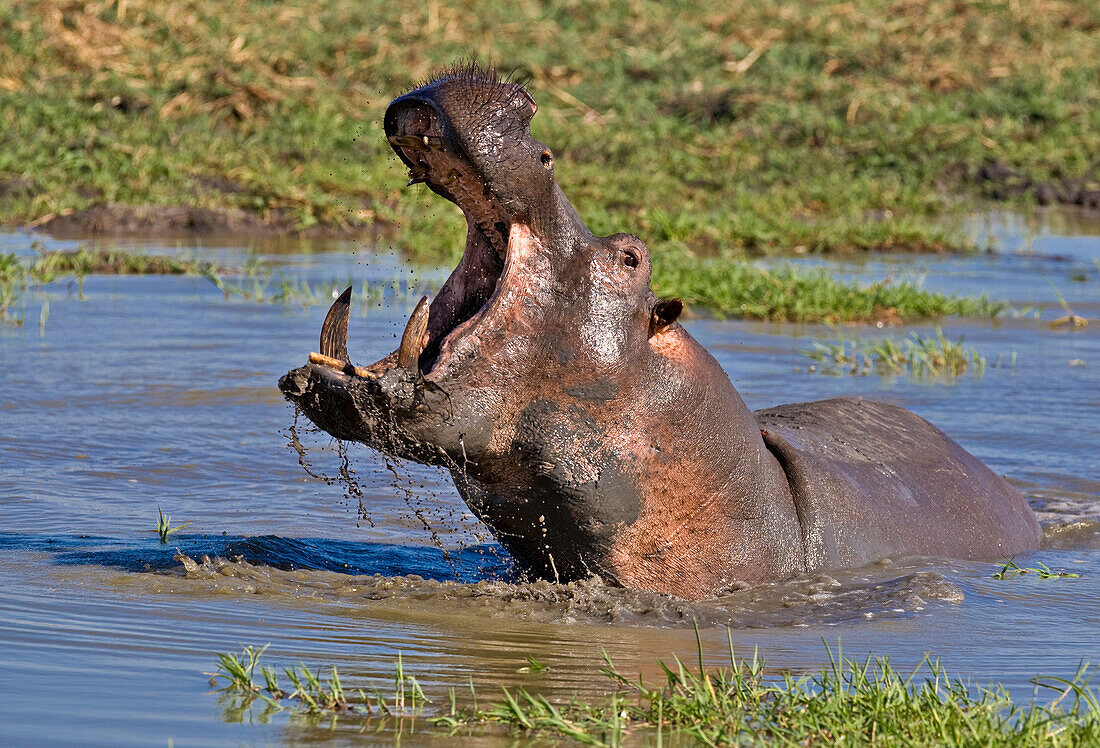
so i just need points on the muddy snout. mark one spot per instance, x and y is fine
(293, 383)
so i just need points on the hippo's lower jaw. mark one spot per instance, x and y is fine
(355, 407)
(589, 430)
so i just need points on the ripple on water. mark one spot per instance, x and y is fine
(884, 590)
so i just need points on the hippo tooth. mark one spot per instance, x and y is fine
(412, 340)
(411, 142)
(417, 142)
(418, 174)
(334, 330)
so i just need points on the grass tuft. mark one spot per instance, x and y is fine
(313, 694)
(915, 356)
(1011, 570)
(847, 702)
(164, 527)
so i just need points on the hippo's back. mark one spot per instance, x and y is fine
(872, 480)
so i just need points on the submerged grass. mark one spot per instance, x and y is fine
(1012, 570)
(915, 355)
(754, 127)
(50, 265)
(848, 702)
(266, 287)
(728, 289)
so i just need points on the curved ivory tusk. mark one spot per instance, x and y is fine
(334, 330)
(412, 340)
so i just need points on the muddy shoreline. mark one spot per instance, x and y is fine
(1000, 182)
(190, 222)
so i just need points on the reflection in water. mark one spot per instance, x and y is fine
(159, 392)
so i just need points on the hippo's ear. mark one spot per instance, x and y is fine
(664, 314)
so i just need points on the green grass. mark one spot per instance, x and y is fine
(260, 285)
(18, 274)
(12, 284)
(781, 125)
(1011, 570)
(733, 288)
(728, 289)
(312, 693)
(915, 355)
(848, 702)
(47, 266)
(164, 527)
(50, 265)
(798, 294)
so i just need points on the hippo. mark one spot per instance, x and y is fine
(582, 423)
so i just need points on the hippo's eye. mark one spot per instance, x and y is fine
(547, 159)
(630, 258)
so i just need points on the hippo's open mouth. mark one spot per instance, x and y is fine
(420, 136)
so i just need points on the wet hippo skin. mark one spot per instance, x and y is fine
(585, 426)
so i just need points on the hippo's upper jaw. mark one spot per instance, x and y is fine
(467, 136)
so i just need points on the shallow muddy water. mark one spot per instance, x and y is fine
(158, 391)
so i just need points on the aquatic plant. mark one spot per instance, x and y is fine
(1010, 570)
(847, 702)
(915, 355)
(50, 265)
(1069, 319)
(17, 274)
(533, 666)
(312, 693)
(12, 282)
(733, 288)
(164, 526)
(262, 286)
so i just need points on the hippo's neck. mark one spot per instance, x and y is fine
(662, 482)
(718, 508)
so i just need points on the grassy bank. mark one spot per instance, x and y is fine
(17, 274)
(792, 293)
(736, 288)
(765, 127)
(848, 702)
